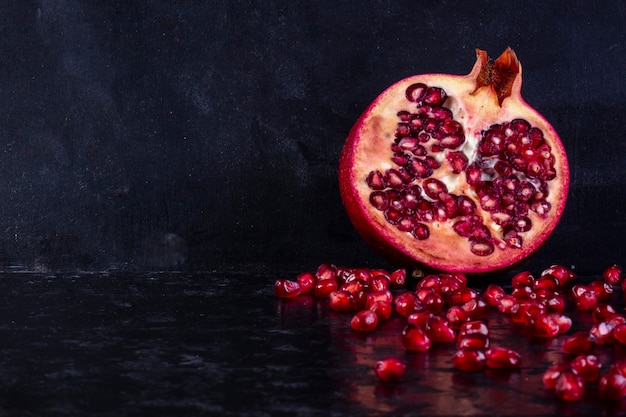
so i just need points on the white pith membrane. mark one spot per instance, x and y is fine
(384, 148)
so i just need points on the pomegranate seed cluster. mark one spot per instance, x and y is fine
(443, 309)
(508, 174)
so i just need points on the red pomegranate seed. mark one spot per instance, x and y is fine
(430, 281)
(551, 375)
(414, 338)
(500, 357)
(564, 322)
(461, 296)
(307, 281)
(548, 282)
(493, 294)
(476, 309)
(523, 279)
(382, 309)
(545, 326)
(602, 333)
(324, 287)
(588, 367)
(619, 333)
(355, 286)
(433, 302)
(619, 367)
(473, 327)
(562, 274)
(342, 301)
(456, 316)
(469, 360)
(398, 278)
(364, 321)
(419, 319)
(390, 369)
(523, 293)
(602, 289)
(554, 304)
(602, 312)
(612, 386)
(406, 303)
(284, 288)
(438, 330)
(474, 341)
(569, 386)
(326, 271)
(585, 299)
(379, 283)
(612, 274)
(374, 296)
(525, 311)
(579, 343)
(506, 303)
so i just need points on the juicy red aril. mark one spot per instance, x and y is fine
(579, 343)
(505, 303)
(551, 375)
(499, 357)
(602, 312)
(545, 326)
(364, 321)
(284, 288)
(326, 271)
(342, 301)
(433, 302)
(473, 327)
(307, 281)
(414, 338)
(374, 296)
(569, 386)
(382, 309)
(407, 303)
(561, 273)
(493, 293)
(456, 316)
(390, 369)
(379, 283)
(602, 290)
(324, 287)
(522, 279)
(584, 298)
(612, 386)
(619, 333)
(526, 310)
(397, 278)
(588, 367)
(438, 330)
(476, 308)
(612, 274)
(602, 333)
(469, 360)
(473, 341)
(419, 319)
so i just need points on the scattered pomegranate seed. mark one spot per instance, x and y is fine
(414, 338)
(569, 386)
(438, 330)
(390, 369)
(469, 360)
(493, 294)
(619, 333)
(588, 367)
(612, 385)
(612, 274)
(579, 343)
(397, 278)
(307, 281)
(364, 321)
(382, 309)
(499, 357)
(551, 375)
(324, 287)
(284, 288)
(342, 301)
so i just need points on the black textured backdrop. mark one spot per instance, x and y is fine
(206, 135)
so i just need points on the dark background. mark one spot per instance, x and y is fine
(205, 135)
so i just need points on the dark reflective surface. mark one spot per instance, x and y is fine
(209, 344)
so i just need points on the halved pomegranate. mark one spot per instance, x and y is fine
(454, 172)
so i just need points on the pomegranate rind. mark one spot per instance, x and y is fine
(367, 148)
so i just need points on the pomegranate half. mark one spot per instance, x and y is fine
(457, 173)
